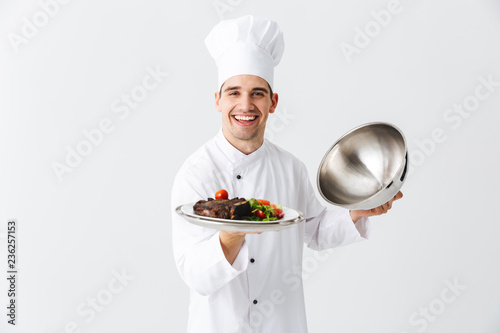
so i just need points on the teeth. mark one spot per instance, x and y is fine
(244, 117)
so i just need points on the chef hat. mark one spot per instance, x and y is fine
(246, 45)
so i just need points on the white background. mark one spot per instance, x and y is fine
(112, 212)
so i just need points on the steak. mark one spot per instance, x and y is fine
(234, 209)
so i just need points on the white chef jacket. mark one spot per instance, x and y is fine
(262, 290)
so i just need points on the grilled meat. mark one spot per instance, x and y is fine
(234, 209)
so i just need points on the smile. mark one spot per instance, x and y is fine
(245, 118)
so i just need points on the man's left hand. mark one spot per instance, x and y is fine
(357, 214)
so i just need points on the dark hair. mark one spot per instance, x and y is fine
(270, 91)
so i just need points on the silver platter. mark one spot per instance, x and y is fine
(292, 217)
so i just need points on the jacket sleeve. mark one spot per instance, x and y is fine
(332, 226)
(197, 250)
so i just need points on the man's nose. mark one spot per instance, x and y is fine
(246, 103)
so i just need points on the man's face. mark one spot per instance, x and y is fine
(245, 103)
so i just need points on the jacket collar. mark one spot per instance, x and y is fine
(233, 154)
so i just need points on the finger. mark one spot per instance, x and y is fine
(398, 196)
(389, 204)
(234, 233)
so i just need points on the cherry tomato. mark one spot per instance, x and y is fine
(278, 211)
(222, 194)
(260, 214)
(264, 202)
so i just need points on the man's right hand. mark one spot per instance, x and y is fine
(231, 242)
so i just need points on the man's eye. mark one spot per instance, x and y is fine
(258, 93)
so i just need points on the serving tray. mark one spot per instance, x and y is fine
(292, 217)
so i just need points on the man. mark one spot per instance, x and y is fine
(242, 282)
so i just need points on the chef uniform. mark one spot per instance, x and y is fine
(262, 290)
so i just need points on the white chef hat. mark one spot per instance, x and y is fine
(247, 45)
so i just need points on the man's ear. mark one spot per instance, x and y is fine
(217, 102)
(274, 103)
